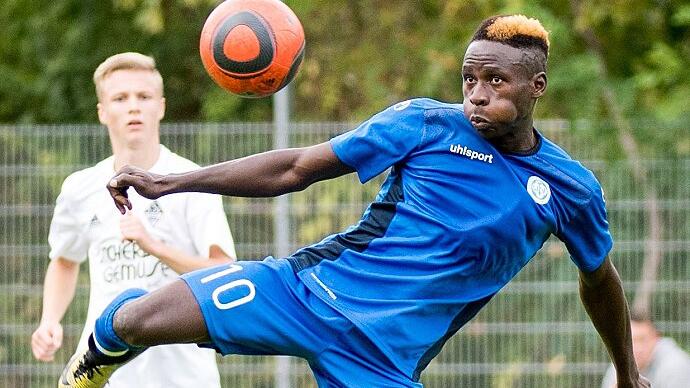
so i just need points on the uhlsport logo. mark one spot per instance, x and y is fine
(472, 154)
(539, 190)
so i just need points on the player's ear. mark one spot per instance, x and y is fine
(161, 112)
(101, 113)
(539, 82)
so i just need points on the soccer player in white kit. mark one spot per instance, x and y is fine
(146, 248)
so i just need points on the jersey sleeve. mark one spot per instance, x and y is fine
(65, 237)
(587, 235)
(208, 225)
(382, 141)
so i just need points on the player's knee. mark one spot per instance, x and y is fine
(130, 324)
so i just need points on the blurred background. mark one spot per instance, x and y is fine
(618, 100)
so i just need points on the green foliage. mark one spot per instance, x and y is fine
(49, 65)
(361, 56)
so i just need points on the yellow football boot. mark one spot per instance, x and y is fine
(84, 371)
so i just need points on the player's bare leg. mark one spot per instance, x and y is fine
(133, 322)
(169, 315)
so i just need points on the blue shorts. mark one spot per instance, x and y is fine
(262, 308)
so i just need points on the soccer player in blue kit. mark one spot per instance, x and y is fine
(472, 194)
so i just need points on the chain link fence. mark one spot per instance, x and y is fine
(535, 333)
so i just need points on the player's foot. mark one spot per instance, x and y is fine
(86, 369)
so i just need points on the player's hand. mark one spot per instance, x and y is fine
(46, 340)
(134, 230)
(145, 183)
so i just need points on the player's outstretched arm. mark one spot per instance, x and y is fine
(602, 294)
(267, 174)
(58, 291)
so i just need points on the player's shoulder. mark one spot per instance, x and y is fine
(174, 163)
(426, 105)
(671, 360)
(567, 165)
(428, 111)
(80, 181)
(669, 350)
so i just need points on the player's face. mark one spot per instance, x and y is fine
(644, 338)
(131, 106)
(499, 88)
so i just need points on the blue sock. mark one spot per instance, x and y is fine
(106, 341)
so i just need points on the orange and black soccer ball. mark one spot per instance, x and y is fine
(252, 48)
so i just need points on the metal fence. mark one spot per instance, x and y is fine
(535, 333)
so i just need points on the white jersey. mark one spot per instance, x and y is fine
(669, 367)
(86, 225)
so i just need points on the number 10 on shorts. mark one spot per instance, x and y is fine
(251, 291)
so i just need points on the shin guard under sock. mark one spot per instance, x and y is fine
(104, 341)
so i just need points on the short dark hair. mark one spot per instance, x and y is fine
(644, 318)
(517, 31)
(640, 317)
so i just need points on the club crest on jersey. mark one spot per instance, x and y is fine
(539, 190)
(153, 213)
(472, 154)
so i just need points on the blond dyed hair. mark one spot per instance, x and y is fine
(125, 61)
(514, 30)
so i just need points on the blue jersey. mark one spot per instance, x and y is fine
(454, 221)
